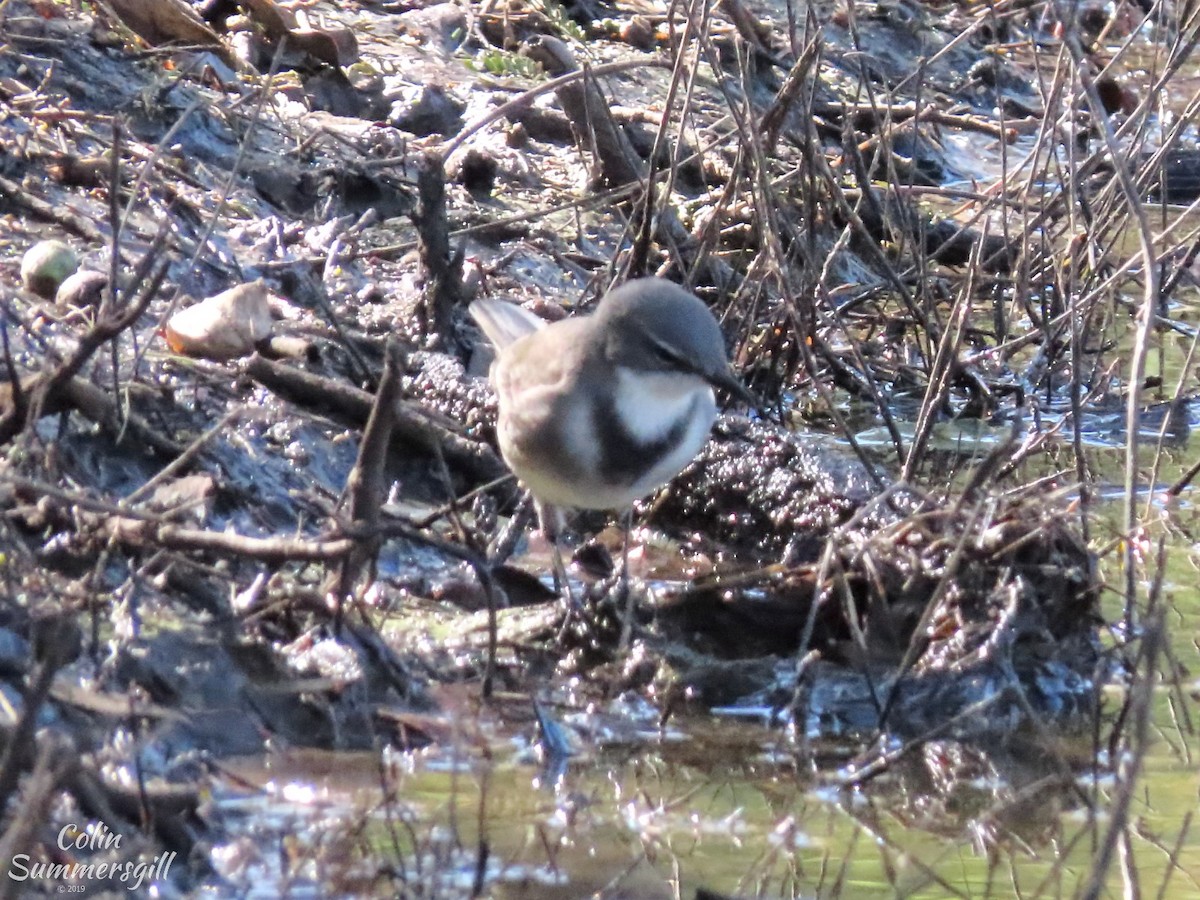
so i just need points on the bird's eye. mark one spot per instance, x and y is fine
(667, 355)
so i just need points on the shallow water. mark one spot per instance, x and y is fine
(724, 803)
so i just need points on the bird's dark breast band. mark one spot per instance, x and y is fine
(623, 458)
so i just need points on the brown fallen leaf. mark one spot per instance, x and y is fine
(273, 19)
(160, 22)
(335, 46)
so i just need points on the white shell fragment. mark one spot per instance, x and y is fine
(226, 326)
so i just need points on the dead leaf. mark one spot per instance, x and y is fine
(335, 46)
(274, 20)
(159, 22)
(164, 21)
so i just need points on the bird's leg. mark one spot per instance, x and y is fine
(561, 583)
(553, 522)
(623, 591)
(505, 543)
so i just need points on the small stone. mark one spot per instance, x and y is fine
(517, 136)
(477, 172)
(15, 654)
(639, 32)
(82, 289)
(46, 265)
(429, 111)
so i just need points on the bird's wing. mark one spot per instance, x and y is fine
(504, 323)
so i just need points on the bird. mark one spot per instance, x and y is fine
(598, 411)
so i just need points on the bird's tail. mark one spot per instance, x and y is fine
(504, 323)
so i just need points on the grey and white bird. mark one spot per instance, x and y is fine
(598, 411)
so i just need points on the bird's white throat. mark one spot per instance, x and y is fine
(651, 404)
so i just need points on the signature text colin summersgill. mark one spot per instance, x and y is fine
(96, 836)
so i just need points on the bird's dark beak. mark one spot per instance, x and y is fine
(729, 382)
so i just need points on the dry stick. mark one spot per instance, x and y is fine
(56, 761)
(870, 247)
(1141, 347)
(751, 142)
(752, 31)
(1172, 411)
(613, 157)
(1087, 302)
(184, 457)
(798, 80)
(810, 148)
(1079, 307)
(145, 535)
(695, 252)
(452, 505)
(644, 212)
(1128, 868)
(1141, 699)
(525, 99)
(589, 113)
(17, 393)
(151, 161)
(151, 531)
(1079, 312)
(483, 846)
(941, 371)
(601, 199)
(1179, 702)
(110, 300)
(596, 200)
(48, 212)
(442, 292)
(96, 405)
(1186, 260)
(412, 424)
(1184, 480)
(19, 743)
(365, 484)
(1043, 141)
(862, 171)
(941, 246)
(56, 643)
